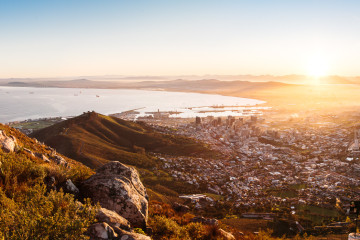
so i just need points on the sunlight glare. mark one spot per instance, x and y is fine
(317, 68)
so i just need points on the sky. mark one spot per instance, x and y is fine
(178, 37)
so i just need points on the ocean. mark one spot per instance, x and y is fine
(21, 103)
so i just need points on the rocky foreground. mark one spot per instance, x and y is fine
(116, 187)
(60, 183)
(123, 198)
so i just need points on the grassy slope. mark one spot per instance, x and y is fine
(24, 141)
(27, 210)
(94, 139)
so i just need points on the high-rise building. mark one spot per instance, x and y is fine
(198, 120)
(356, 141)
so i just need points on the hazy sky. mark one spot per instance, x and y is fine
(170, 37)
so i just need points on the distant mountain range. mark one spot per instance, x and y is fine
(286, 91)
(115, 81)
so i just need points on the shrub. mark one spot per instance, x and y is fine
(195, 231)
(165, 228)
(27, 209)
(212, 232)
(33, 214)
(139, 230)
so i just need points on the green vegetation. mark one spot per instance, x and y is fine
(316, 214)
(28, 210)
(244, 224)
(167, 224)
(163, 183)
(34, 214)
(35, 125)
(298, 186)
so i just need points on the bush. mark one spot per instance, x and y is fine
(139, 230)
(33, 214)
(27, 209)
(165, 228)
(195, 231)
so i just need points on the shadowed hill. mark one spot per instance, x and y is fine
(95, 139)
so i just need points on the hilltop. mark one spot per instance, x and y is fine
(95, 139)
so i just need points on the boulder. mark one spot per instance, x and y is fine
(69, 187)
(226, 235)
(42, 157)
(180, 207)
(7, 143)
(113, 219)
(117, 187)
(29, 152)
(101, 231)
(125, 235)
(59, 160)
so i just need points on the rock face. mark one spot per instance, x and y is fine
(101, 231)
(124, 235)
(8, 144)
(117, 187)
(112, 226)
(113, 219)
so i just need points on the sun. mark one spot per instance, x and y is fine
(317, 67)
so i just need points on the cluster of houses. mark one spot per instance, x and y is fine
(264, 161)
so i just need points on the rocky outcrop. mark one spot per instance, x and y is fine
(69, 187)
(29, 152)
(42, 157)
(112, 226)
(101, 231)
(226, 235)
(124, 235)
(7, 143)
(59, 160)
(113, 219)
(117, 187)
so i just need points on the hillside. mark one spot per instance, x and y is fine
(35, 207)
(30, 208)
(95, 139)
(39, 198)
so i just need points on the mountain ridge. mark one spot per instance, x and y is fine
(95, 139)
